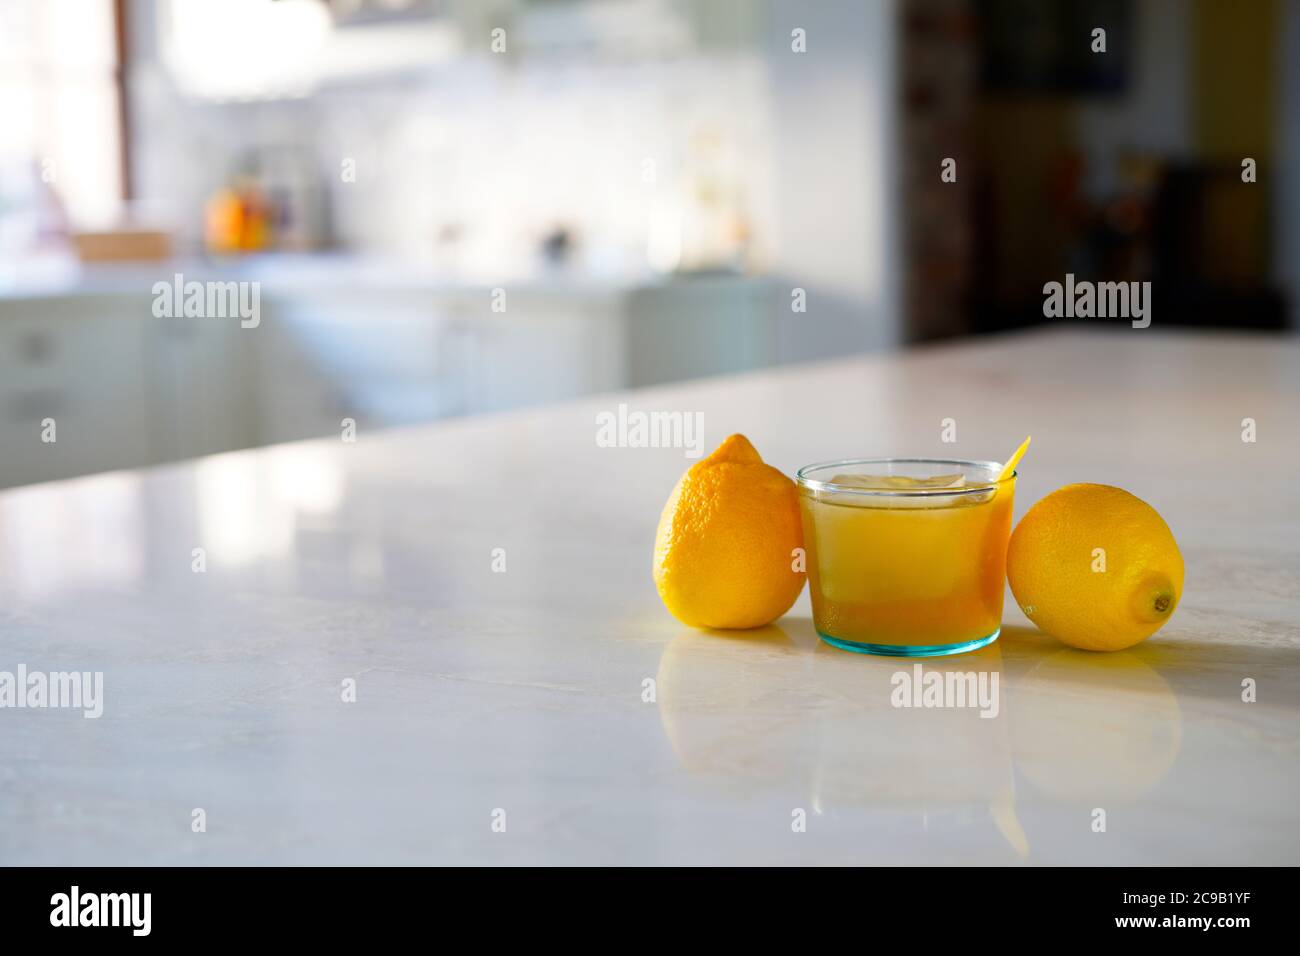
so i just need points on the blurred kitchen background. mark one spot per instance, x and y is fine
(455, 207)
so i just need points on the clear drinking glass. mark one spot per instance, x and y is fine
(906, 556)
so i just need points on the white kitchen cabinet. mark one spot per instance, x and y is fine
(82, 367)
(544, 349)
(123, 387)
(380, 358)
(298, 391)
(696, 327)
(401, 357)
(203, 390)
(127, 388)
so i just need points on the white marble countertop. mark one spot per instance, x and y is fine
(522, 691)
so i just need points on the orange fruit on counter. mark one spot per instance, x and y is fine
(1095, 567)
(725, 548)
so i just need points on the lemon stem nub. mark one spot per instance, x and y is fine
(1154, 598)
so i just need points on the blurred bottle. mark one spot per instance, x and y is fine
(715, 227)
(238, 220)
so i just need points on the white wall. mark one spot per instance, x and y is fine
(834, 120)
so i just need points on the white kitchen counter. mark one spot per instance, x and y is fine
(325, 273)
(523, 690)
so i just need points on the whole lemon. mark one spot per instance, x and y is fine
(724, 551)
(1095, 567)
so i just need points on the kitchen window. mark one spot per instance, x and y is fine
(62, 104)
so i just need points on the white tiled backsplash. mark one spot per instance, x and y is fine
(472, 164)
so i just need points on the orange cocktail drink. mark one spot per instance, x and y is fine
(906, 556)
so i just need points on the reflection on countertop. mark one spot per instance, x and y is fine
(778, 709)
